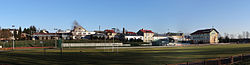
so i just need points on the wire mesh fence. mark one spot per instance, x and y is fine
(219, 61)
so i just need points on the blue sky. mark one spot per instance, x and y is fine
(231, 16)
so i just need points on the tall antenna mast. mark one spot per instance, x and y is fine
(99, 28)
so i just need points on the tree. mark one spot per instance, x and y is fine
(239, 36)
(226, 38)
(30, 30)
(19, 33)
(244, 35)
(232, 36)
(247, 34)
(15, 34)
(5, 34)
(222, 40)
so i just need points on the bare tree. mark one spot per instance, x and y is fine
(247, 34)
(244, 34)
(5, 34)
(232, 36)
(226, 35)
(239, 36)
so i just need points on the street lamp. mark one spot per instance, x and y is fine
(13, 44)
(55, 39)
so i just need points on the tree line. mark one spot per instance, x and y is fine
(5, 34)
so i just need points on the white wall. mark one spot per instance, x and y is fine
(160, 37)
(90, 44)
(134, 37)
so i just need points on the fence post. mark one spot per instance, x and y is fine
(241, 57)
(232, 59)
(44, 51)
(204, 62)
(219, 61)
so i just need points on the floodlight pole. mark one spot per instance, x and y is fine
(13, 43)
(104, 43)
(113, 44)
(55, 39)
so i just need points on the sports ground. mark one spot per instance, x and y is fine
(125, 56)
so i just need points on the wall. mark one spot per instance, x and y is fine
(90, 44)
(214, 37)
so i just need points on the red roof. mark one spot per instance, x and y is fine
(110, 31)
(146, 31)
(130, 32)
(44, 33)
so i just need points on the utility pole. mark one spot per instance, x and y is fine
(99, 28)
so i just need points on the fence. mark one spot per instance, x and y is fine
(29, 43)
(90, 44)
(218, 61)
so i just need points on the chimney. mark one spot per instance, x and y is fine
(123, 31)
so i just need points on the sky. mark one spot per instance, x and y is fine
(160, 16)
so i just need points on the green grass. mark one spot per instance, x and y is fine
(139, 56)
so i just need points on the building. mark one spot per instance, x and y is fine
(176, 36)
(110, 33)
(64, 34)
(147, 35)
(132, 37)
(205, 36)
(79, 32)
(159, 36)
(45, 36)
(161, 42)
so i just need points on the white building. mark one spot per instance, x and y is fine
(129, 37)
(147, 35)
(79, 32)
(205, 36)
(159, 37)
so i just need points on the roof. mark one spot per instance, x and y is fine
(174, 34)
(160, 35)
(44, 34)
(109, 31)
(130, 33)
(204, 31)
(146, 31)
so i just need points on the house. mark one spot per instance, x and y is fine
(147, 35)
(45, 36)
(205, 36)
(132, 37)
(24, 36)
(64, 34)
(130, 33)
(159, 36)
(79, 32)
(110, 33)
(176, 36)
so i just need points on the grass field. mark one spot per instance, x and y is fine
(139, 56)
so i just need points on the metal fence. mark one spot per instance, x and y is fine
(218, 61)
